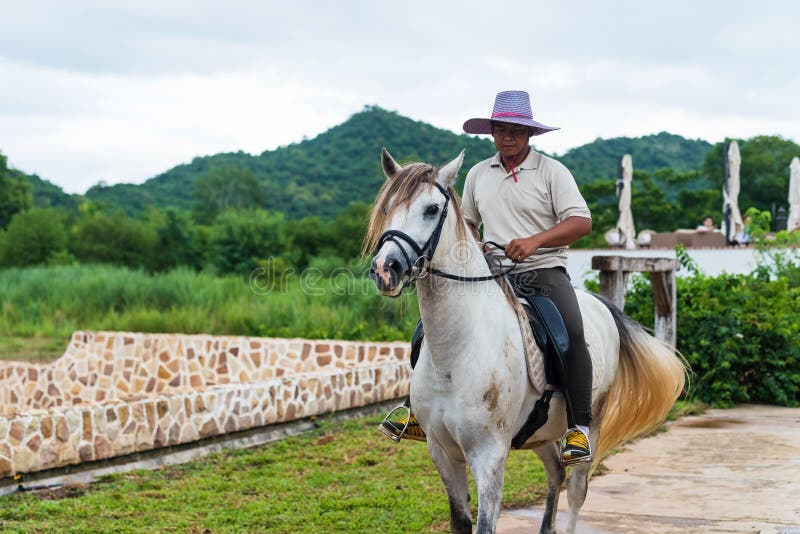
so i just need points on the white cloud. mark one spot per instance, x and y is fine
(127, 128)
(122, 91)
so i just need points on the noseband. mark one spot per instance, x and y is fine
(421, 266)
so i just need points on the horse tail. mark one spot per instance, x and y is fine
(650, 376)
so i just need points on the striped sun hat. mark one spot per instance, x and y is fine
(509, 106)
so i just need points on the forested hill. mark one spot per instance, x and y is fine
(600, 158)
(321, 176)
(45, 194)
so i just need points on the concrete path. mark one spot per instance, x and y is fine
(726, 471)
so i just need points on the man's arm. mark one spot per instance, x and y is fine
(564, 233)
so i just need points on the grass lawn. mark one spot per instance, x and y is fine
(341, 477)
(32, 349)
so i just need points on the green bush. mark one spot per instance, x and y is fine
(177, 243)
(113, 238)
(32, 237)
(239, 239)
(15, 194)
(740, 333)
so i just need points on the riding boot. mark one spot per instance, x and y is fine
(575, 447)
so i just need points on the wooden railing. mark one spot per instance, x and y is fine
(614, 273)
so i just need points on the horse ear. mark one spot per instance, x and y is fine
(447, 174)
(390, 166)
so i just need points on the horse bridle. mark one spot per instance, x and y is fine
(421, 266)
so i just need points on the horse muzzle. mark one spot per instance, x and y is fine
(389, 272)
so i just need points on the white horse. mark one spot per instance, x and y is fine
(470, 390)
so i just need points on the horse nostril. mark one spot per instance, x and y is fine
(394, 266)
(387, 272)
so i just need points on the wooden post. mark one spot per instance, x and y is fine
(666, 298)
(614, 273)
(613, 284)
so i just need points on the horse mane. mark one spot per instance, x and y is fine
(495, 266)
(398, 191)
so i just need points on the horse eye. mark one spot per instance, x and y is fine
(433, 209)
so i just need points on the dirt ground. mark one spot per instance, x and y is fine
(729, 471)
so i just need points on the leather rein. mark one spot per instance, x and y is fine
(421, 266)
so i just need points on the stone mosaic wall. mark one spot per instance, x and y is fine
(117, 393)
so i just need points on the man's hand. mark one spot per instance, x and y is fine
(564, 233)
(519, 249)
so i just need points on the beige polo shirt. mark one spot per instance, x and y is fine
(544, 195)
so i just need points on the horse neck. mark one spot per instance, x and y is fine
(457, 250)
(449, 308)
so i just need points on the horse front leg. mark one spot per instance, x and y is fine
(453, 472)
(556, 473)
(488, 469)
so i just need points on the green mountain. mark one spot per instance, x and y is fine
(45, 194)
(600, 158)
(319, 176)
(323, 175)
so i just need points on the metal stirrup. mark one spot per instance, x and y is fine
(391, 435)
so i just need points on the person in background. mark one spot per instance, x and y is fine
(707, 226)
(742, 238)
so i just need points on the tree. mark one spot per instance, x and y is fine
(662, 201)
(308, 235)
(176, 244)
(696, 205)
(33, 236)
(115, 238)
(347, 231)
(240, 238)
(764, 173)
(650, 206)
(226, 187)
(15, 194)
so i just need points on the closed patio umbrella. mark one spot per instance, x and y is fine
(625, 223)
(731, 216)
(793, 221)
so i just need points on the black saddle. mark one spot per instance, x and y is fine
(550, 333)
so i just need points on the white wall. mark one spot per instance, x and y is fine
(712, 261)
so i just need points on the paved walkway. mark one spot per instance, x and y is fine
(726, 471)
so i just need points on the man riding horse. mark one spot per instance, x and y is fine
(530, 203)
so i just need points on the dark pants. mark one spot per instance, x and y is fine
(555, 284)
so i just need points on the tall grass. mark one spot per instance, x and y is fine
(55, 301)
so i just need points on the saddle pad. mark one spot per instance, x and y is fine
(594, 343)
(534, 357)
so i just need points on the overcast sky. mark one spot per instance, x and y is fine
(121, 91)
